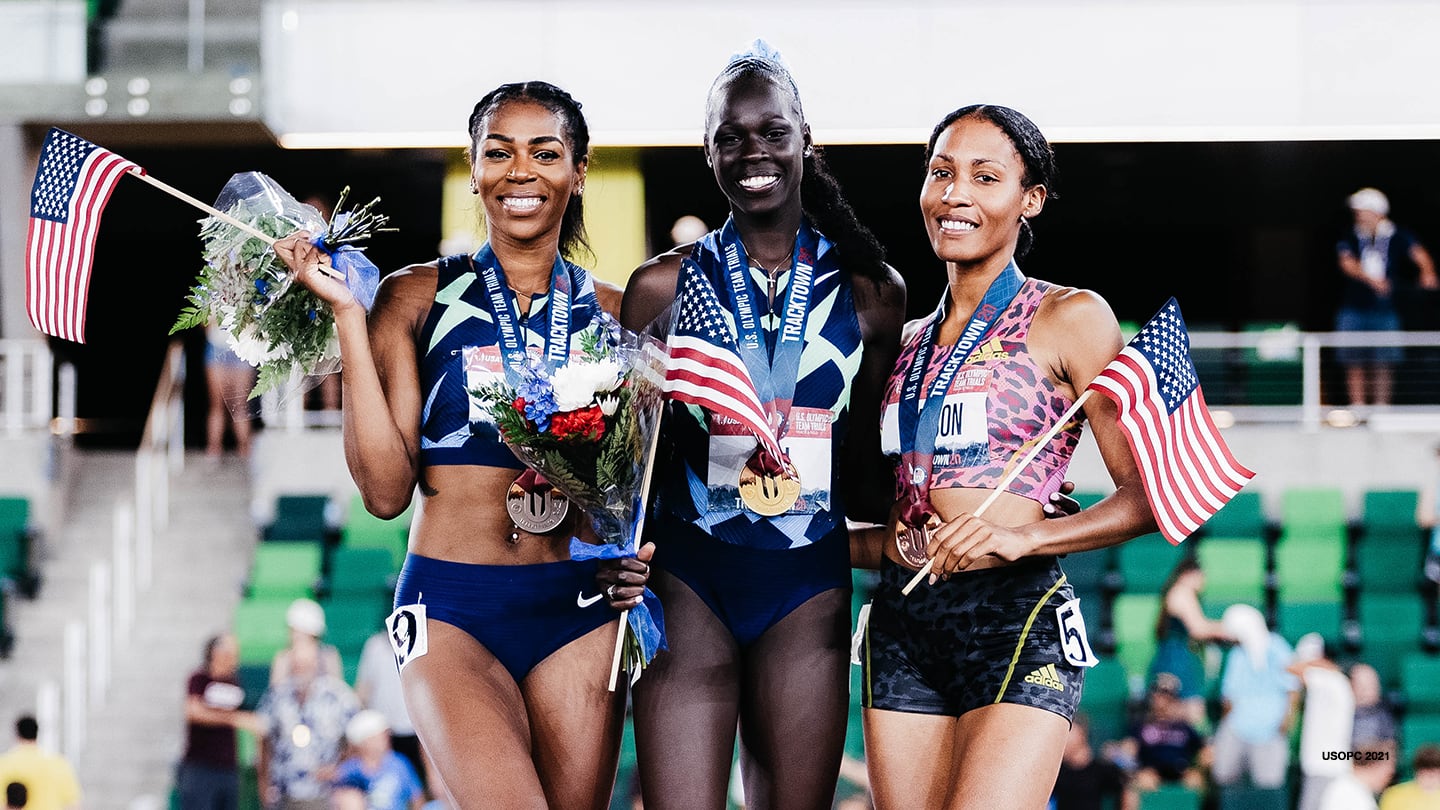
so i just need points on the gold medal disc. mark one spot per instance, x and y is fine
(770, 495)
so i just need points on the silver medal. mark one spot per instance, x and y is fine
(536, 511)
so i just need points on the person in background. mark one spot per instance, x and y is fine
(306, 620)
(1182, 628)
(1372, 771)
(228, 381)
(302, 727)
(1326, 721)
(48, 778)
(1379, 262)
(377, 684)
(1259, 697)
(1422, 792)
(1374, 719)
(374, 777)
(1087, 782)
(16, 796)
(1168, 749)
(208, 778)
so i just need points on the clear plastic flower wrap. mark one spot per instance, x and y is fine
(247, 292)
(588, 427)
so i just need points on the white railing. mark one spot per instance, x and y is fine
(26, 369)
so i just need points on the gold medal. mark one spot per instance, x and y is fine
(537, 510)
(769, 495)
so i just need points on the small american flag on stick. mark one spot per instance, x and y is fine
(704, 367)
(1187, 470)
(72, 184)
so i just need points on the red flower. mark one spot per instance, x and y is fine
(583, 425)
(519, 404)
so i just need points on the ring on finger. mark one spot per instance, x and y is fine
(610, 592)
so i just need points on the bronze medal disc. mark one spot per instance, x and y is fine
(911, 542)
(537, 511)
(770, 495)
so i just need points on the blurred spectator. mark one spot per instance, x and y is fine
(302, 722)
(375, 777)
(208, 777)
(1422, 792)
(1088, 782)
(688, 228)
(1373, 769)
(228, 381)
(1380, 263)
(1168, 749)
(1180, 631)
(16, 796)
(1374, 719)
(48, 778)
(1258, 700)
(377, 683)
(1325, 722)
(306, 620)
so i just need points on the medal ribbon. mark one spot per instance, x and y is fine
(919, 427)
(776, 373)
(507, 317)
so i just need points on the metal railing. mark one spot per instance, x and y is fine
(26, 369)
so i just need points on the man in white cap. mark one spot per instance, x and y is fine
(1326, 720)
(1380, 262)
(306, 620)
(375, 777)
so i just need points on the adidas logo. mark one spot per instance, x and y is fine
(1046, 676)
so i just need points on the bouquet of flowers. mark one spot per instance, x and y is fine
(588, 427)
(245, 290)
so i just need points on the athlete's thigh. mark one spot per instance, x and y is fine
(686, 705)
(576, 721)
(470, 716)
(795, 692)
(908, 756)
(1008, 756)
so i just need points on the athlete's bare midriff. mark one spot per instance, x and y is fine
(465, 520)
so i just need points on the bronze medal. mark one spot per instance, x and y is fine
(769, 495)
(911, 542)
(536, 511)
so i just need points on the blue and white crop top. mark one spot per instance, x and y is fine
(462, 351)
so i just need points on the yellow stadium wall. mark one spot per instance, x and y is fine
(614, 212)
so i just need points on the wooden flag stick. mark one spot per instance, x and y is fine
(222, 216)
(1009, 476)
(639, 527)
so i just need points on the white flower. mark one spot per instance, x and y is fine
(252, 348)
(576, 384)
(609, 403)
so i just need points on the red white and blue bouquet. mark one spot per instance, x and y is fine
(588, 428)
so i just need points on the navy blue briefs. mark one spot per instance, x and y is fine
(748, 589)
(520, 613)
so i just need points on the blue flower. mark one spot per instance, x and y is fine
(539, 398)
(261, 286)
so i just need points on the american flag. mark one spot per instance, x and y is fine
(72, 185)
(704, 368)
(1187, 470)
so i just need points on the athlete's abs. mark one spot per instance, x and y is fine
(465, 521)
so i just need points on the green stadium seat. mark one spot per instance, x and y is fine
(1420, 682)
(1295, 619)
(1234, 569)
(360, 571)
(1087, 571)
(1390, 509)
(1134, 616)
(1313, 508)
(260, 628)
(1310, 564)
(1390, 630)
(1106, 701)
(363, 530)
(17, 540)
(1243, 516)
(284, 570)
(1389, 563)
(1249, 797)
(1146, 562)
(1170, 797)
(1417, 729)
(254, 678)
(299, 517)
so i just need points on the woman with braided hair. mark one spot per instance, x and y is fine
(502, 638)
(757, 588)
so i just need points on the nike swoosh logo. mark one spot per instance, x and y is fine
(583, 602)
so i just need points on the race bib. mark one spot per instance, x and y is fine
(409, 638)
(1073, 641)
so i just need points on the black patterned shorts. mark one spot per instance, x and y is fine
(982, 637)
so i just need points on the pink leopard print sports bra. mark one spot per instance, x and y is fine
(998, 405)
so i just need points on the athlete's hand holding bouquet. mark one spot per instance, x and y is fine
(246, 291)
(587, 428)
